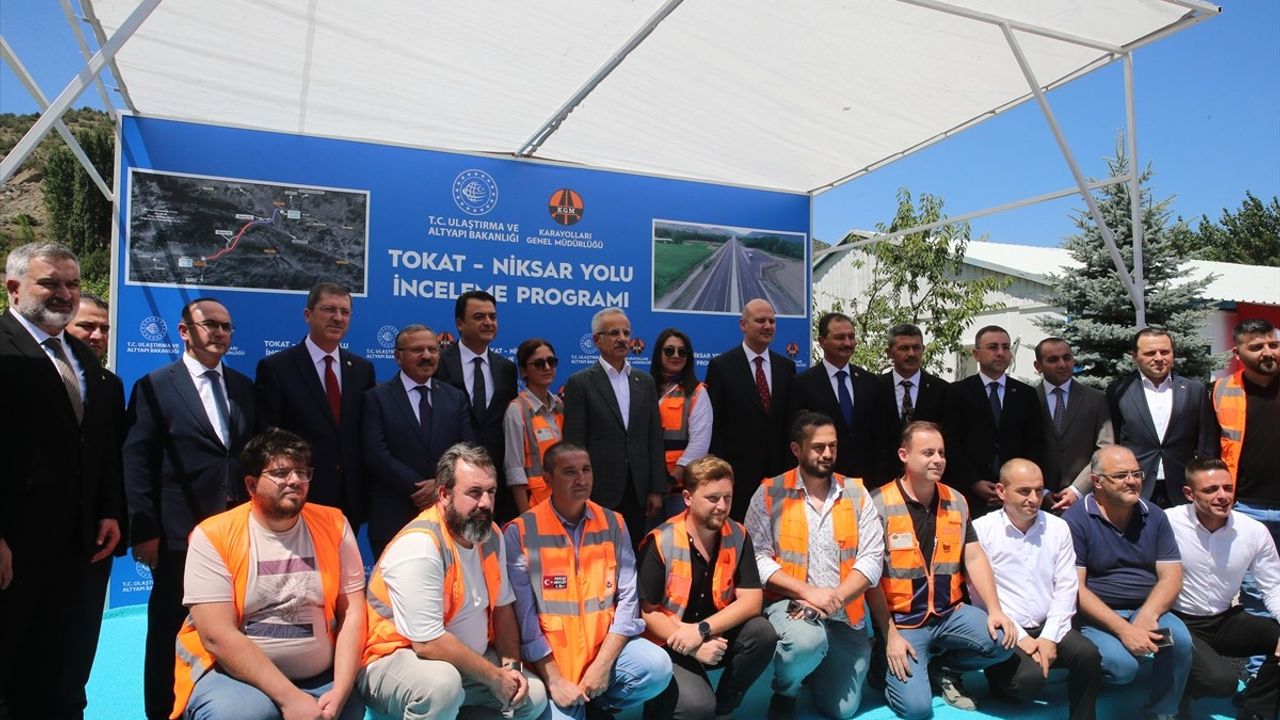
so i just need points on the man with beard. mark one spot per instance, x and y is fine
(409, 422)
(821, 548)
(574, 578)
(275, 589)
(701, 597)
(442, 623)
(1218, 546)
(60, 496)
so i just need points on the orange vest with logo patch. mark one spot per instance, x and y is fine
(913, 589)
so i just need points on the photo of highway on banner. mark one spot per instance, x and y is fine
(717, 269)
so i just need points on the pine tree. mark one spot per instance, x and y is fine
(1100, 321)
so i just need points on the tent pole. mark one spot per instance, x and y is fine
(54, 112)
(1135, 193)
(1002, 21)
(84, 53)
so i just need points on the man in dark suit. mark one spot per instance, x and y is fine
(188, 422)
(488, 379)
(315, 390)
(749, 387)
(989, 418)
(60, 487)
(409, 421)
(912, 393)
(852, 397)
(612, 411)
(1076, 423)
(1165, 419)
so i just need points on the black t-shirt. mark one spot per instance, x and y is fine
(1260, 455)
(651, 576)
(925, 522)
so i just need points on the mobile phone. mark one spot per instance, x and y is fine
(1166, 638)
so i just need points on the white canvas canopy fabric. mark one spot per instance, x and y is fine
(795, 96)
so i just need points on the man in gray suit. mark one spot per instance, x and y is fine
(612, 411)
(1076, 423)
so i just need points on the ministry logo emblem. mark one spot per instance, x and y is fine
(387, 336)
(475, 192)
(153, 328)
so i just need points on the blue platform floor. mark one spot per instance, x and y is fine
(115, 688)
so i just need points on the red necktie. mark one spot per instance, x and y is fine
(331, 389)
(762, 385)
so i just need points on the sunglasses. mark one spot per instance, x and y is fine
(544, 363)
(809, 614)
(672, 351)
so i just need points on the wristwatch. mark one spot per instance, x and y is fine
(513, 665)
(704, 629)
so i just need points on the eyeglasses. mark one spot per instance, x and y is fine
(543, 363)
(672, 351)
(280, 476)
(333, 310)
(810, 615)
(212, 325)
(616, 332)
(1124, 475)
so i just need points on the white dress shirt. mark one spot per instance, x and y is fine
(1053, 399)
(751, 364)
(205, 388)
(1214, 563)
(1160, 404)
(1035, 572)
(621, 382)
(469, 372)
(701, 418)
(317, 360)
(414, 396)
(40, 336)
(898, 389)
(835, 381)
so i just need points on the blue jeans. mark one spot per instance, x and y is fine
(642, 672)
(1172, 664)
(1250, 594)
(218, 696)
(960, 641)
(833, 655)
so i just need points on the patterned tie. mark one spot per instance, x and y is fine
(762, 385)
(995, 402)
(424, 411)
(846, 402)
(331, 389)
(1059, 409)
(478, 389)
(69, 380)
(220, 404)
(908, 408)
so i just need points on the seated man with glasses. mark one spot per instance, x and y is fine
(275, 589)
(1130, 574)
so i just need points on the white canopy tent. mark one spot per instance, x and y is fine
(793, 96)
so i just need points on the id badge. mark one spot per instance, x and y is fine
(902, 541)
(544, 434)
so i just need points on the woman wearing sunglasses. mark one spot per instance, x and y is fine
(685, 411)
(533, 423)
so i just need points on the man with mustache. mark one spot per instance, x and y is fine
(574, 577)
(275, 588)
(701, 596)
(1218, 546)
(442, 623)
(409, 422)
(60, 497)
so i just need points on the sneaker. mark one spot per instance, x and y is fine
(781, 707)
(951, 688)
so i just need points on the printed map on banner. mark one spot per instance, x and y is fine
(226, 233)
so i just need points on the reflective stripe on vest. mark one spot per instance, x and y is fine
(674, 413)
(228, 532)
(383, 637)
(535, 422)
(784, 502)
(672, 542)
(1230, 406)
(575, 593)
(913, 590)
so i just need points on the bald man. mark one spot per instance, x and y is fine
(1033, 560)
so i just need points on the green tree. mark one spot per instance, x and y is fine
(1250, 235)
(914, 279)
(79, 214)
(1100, 320)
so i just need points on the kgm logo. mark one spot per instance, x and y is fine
(475, 192)
(566, 206)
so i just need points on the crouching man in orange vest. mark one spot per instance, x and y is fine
(820, 549)
(700, 595)
(918, 606)
(574, 578)
(277, 616)
(442, 629)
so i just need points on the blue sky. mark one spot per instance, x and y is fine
(1208, 107)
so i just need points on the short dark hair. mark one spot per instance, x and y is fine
(916, 427)
(1204, 465)
(806, 423)
(824, 322)
(903, 330)
(410, 328)
(1040, 345)
(474, 455)
(977, 337)
(705, 469)
(186, 309)
(460, 305)
(688, 379)
(325, 288)
(1252, 326)
(1150, 331)
(528, 348)
(95, 300)
(272, 443)
(551, 458)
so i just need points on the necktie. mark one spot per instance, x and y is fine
(846, 401)
(1059, 409)
(908, 407)
(762, 385)
(331, 389)
(220, 404)
(424, 411)
(995, 402)
(69, 380)
(477, 389)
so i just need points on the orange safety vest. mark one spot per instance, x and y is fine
(384, 639)
(784, 502)
(674, 412)
(1229, 404)
(575, 593)
(229, 534)
(671, 539)
(913, 590)
(540, 433)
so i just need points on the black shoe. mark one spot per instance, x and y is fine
(782, 707)
(595, 712)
